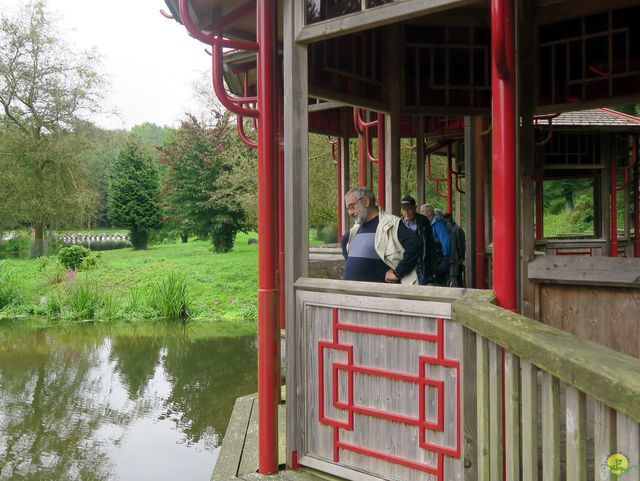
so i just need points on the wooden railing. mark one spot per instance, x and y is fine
(571, 407)
(396, 382)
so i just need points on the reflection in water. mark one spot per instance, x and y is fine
(88, 405)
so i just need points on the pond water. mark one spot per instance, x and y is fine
(88, 403)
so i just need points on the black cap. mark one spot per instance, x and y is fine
(408, 200)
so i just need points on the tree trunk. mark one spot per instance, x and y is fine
(39, 239)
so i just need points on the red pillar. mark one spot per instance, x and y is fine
(479, 205)
(636, 200)
(504, 154)
(268, 338)
(613, 182)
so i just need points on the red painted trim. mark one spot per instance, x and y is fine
(633, 118)
(294, 460)
(421, 380)
(365, 128)
(505, 228)
(584, 252)
(614, 198)
(268, 332)
(636, 195)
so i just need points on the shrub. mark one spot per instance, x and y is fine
(170, 298)
(72, 257)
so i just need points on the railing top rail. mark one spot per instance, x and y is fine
(600, 372)
(599, 271)
(395, 291)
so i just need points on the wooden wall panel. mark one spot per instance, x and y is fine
(607, 315)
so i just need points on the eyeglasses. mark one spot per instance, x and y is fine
(353, 204)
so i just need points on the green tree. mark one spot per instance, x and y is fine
(134, 191)
(210, 179)
(45, 88)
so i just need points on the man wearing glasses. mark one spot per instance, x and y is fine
(379, 247)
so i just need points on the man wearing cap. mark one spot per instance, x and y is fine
(421, 226)
(379, 247)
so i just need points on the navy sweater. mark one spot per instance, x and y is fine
(364, 264)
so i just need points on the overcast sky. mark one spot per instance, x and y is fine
(150, 61)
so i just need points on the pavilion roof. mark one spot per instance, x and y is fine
(597, 118)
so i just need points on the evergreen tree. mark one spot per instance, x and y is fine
(210, 177)
(134, 191)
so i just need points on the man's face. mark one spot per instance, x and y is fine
(356, 208)
(426, 212)
(408, 211)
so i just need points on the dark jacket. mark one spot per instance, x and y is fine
(427, 262)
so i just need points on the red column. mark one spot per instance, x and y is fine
(636, 201)
(613, 182)
(479, 205)
(268, 338)
(504, 154)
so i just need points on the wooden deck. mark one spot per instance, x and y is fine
(238, 458)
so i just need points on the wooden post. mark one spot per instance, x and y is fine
(420, 161)
(471, 211)
(296, 170)
(392, 120)
(525, 38)
(345, 120)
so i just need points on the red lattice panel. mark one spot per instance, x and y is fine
(421, 380)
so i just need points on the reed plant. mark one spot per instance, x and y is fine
(170, 297)
(9, 290)
(83, 299)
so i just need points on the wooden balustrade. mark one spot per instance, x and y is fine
(571, 407)
(426, 383)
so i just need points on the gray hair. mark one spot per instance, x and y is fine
(363, 192)
(428, 207)
(438, 212)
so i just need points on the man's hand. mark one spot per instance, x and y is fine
(390, 276)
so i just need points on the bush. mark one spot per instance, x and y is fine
(73, 257)
(170, 298)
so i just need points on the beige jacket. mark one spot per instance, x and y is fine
(387, 245)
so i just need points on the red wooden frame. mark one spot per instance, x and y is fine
(422, 380)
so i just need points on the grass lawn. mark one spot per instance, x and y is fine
(222, 287)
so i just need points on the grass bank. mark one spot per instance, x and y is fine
(123, 285)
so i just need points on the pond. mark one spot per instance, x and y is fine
(92, 403)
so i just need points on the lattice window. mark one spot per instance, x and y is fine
(319, 10)
(447, 66)
(349, 64)
(589, 58)
(572, 150)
